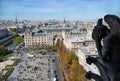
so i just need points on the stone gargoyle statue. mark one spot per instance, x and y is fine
(108, 61)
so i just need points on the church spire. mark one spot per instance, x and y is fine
(16, 19)
(64, 20)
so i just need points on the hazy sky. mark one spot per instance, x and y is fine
(58, 9)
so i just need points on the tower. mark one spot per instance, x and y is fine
(64, 21)
(16, 21)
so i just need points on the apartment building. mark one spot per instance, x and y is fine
(43, 36)
(74, 34)
(38, 39)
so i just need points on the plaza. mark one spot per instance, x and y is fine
(32, 69)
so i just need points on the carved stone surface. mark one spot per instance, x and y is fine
(108, 61)
(99, 32)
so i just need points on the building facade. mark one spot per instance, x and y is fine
(38, 39)
(43, 36)
(82, 54)
(74, 44)
(74, 34)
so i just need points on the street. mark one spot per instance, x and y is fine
(56, 67)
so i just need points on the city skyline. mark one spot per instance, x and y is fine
(57, 9)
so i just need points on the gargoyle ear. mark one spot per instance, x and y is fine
(99, 22)
(100, 19)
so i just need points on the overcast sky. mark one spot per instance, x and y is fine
(57, 9)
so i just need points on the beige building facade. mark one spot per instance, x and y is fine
(38, 40)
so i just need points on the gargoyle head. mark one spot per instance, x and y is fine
(113, 21)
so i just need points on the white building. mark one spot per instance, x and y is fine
(75, 43)
(82, 54)
(83, 46)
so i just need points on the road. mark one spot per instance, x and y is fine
(56, 67)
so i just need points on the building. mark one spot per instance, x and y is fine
(57, 30)
(85, 24)
(38, 39)
(75, 43)
(83, 53)
(43, 36)
(4, 33)
(84, 46)
(74, 34)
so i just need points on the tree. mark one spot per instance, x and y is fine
(12, 29)
(1, 58)
(46, 24)
(18, 40)
(55, 23)
(2, 50)
(32, 28)
(70, 63)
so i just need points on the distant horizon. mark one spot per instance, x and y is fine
(46, 20)
(71, 10)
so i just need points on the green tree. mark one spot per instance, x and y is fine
(2, 50)
(32, 28)
(46, 24)
(17, 40)
(1, 56)
(12, 29)
(55, 23)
